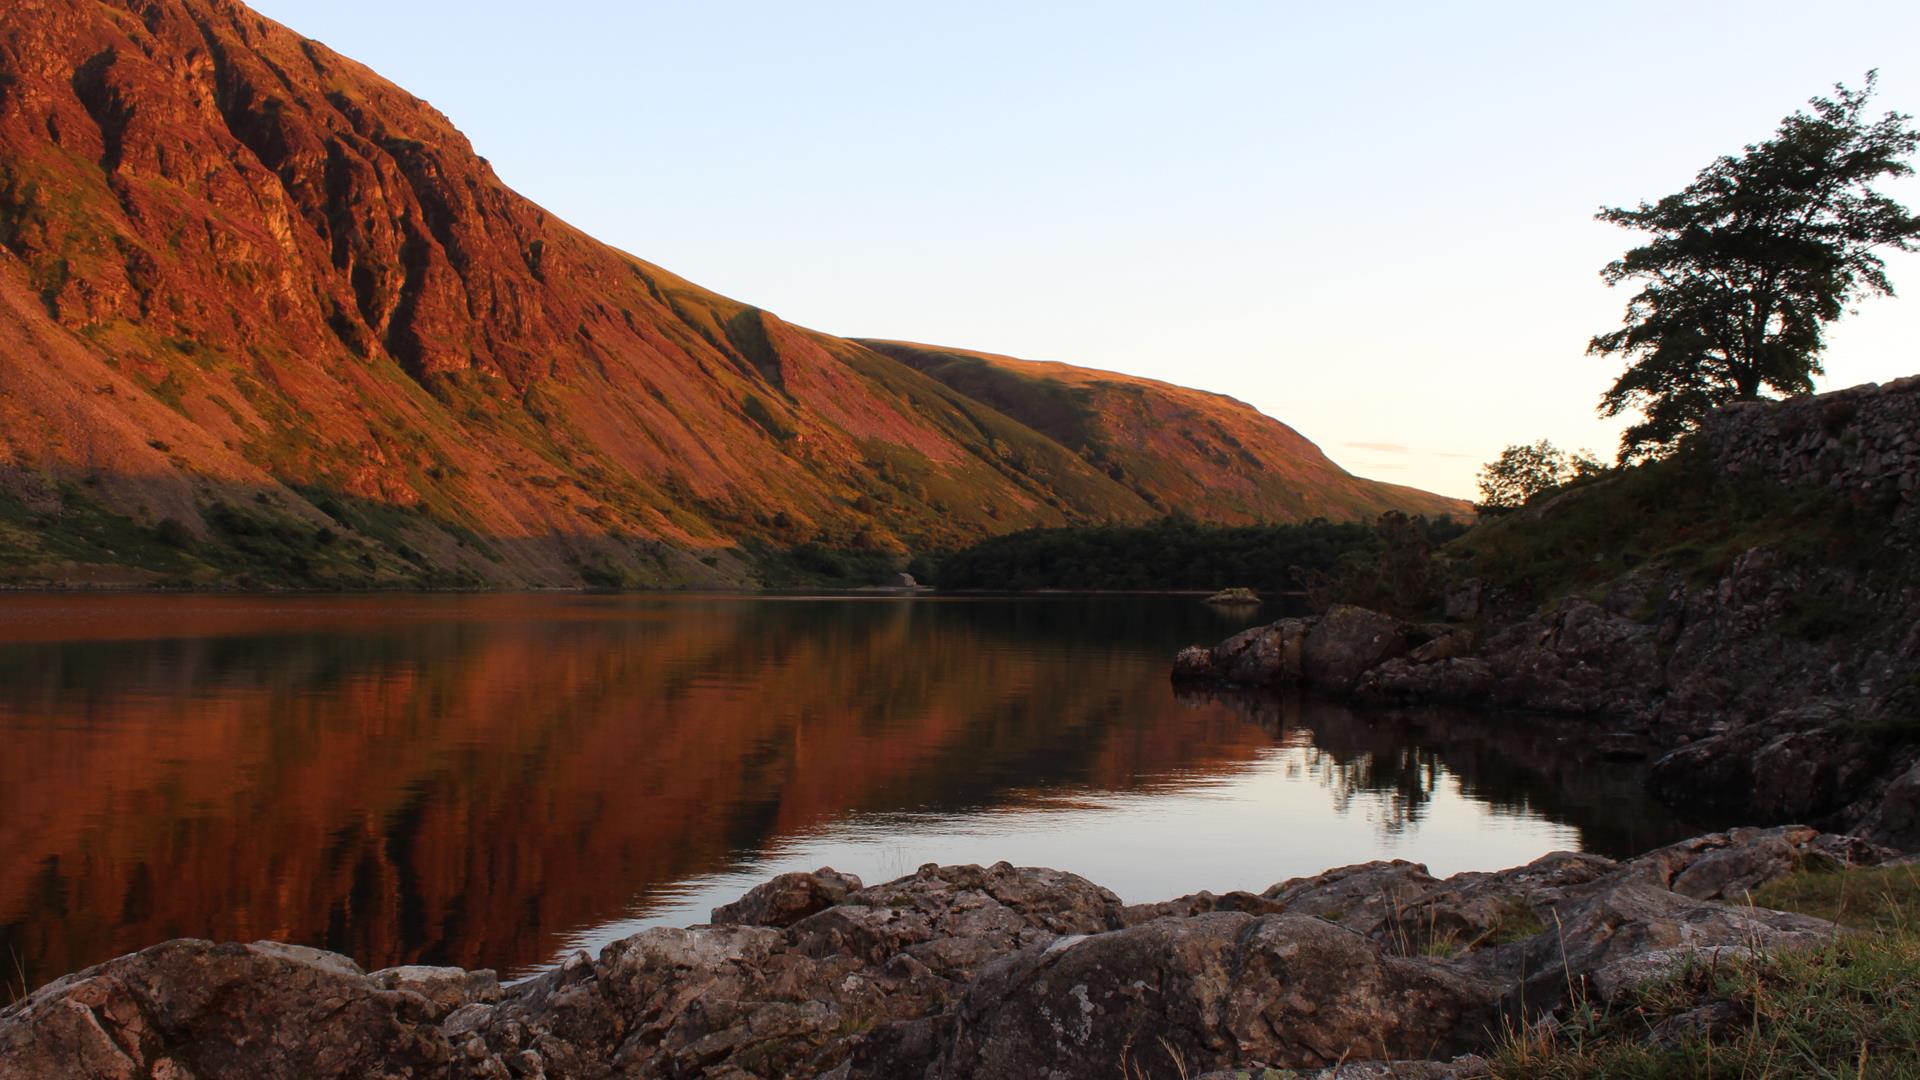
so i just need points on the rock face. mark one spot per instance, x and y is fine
(1214, 990)
(1864, 439)
(959, 971)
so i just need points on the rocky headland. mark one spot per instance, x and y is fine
(964, 971)
(1746, 616)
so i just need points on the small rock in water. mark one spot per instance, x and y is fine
(1234, 596)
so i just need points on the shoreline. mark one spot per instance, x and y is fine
(966, 971)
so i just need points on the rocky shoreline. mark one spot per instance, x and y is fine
(1737, 723)
(969, 972)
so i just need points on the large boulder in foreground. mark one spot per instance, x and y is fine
(959, 971)
(1210, 991)
(192, 1009)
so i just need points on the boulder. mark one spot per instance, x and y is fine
(1262, 656)
(189, 1009)
(446, 988)
(787, 899)
(1173, 997)
(1347, 641)
(1200, 903)
(1363, 897)
(1730, 865)
(1627, 919)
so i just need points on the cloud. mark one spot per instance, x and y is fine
(1381, 447)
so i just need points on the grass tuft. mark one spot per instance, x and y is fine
(1847, 1008)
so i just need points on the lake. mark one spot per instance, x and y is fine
(495, 780)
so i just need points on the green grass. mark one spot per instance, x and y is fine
(1878, 899)
(1847, 1008)
(1682, 513)
(80, 530)
(252, 542)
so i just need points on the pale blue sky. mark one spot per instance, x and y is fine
(1372, 221)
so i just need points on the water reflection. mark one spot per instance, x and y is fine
(489, 780)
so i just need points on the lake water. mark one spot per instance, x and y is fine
(496, 780)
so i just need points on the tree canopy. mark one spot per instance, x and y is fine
(1749, 262)
(1527, 469)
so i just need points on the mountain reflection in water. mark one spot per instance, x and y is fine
(491, 780)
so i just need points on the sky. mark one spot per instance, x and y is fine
(1373, 221)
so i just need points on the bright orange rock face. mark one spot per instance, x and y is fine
(237, 267)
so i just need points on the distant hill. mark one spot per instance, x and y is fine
(1206, 454)
(266, 318)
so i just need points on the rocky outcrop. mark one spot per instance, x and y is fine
(1783, 687)
(1330, 652)
(1865, 439)
(961, 972)
(1759, 728)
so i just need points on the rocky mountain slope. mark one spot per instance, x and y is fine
(263, 311)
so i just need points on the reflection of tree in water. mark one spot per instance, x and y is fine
(1524, 765)
(1405, 777)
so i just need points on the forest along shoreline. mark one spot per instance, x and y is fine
(1745, 612)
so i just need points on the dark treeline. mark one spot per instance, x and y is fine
(1173, 553)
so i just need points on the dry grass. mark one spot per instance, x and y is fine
(14, 987)
(1847, 1008)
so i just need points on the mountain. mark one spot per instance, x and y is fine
(1177, 449)
(266, 317)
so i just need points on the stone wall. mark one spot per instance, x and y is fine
(1864, 439)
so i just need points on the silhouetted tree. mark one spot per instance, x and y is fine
(1750, 261)
(1527, 469)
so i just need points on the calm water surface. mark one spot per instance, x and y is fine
(496, 780)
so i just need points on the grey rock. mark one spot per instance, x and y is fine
(446, 988)
(1373, 970)
(787, 899)
(1346, 642)
(1177, 996)
(195, 1009)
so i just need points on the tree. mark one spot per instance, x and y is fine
(1749, 263)
(1525, 470)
